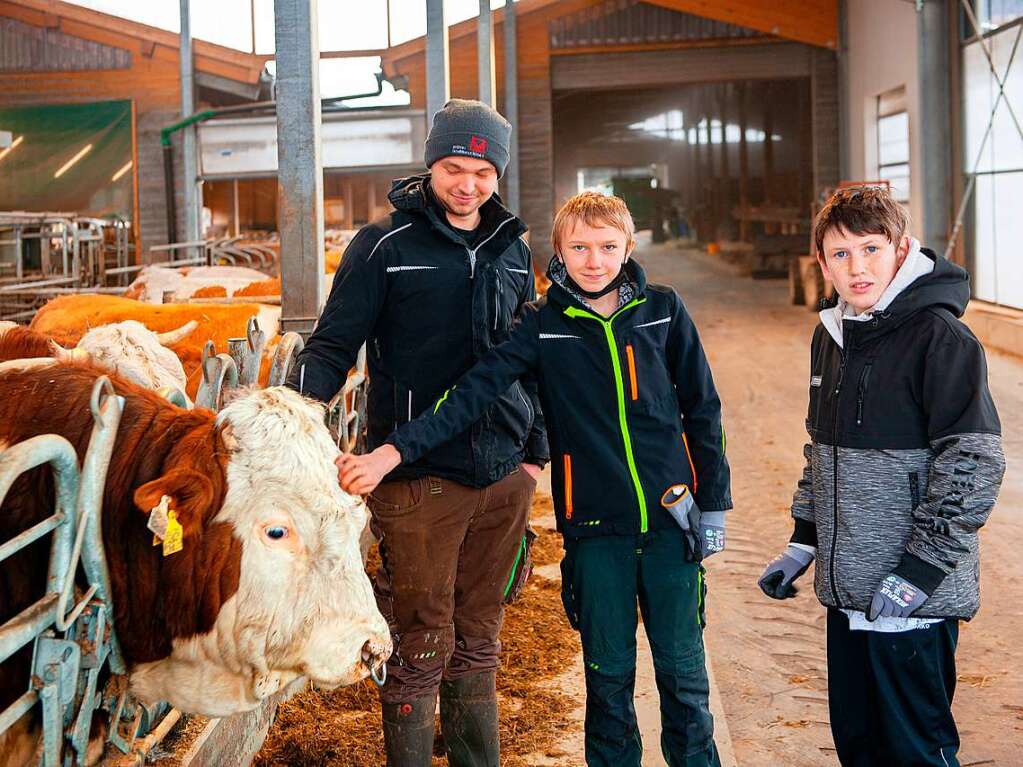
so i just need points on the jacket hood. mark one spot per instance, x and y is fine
(411, 195)
(563, 296)
(925, 280)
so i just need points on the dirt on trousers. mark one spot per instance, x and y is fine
(341, 728)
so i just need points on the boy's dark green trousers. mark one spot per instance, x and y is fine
(603, 579)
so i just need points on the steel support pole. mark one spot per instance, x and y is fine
(485, 55)
(438, 80)
(189, 160)
(510, 182)
(935, 139)
(299, 163)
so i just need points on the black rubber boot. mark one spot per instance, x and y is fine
(408, 732)
(468, 721)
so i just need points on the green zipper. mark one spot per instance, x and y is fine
(616, 364)
(518, 558)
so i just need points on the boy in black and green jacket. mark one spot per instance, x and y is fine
(631, 411)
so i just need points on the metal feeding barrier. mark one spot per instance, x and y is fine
(240, 366)
(73, 638)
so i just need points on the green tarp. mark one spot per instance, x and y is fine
(51, 136)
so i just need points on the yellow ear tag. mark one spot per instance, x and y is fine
(173, 541)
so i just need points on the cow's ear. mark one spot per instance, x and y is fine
(191, 495)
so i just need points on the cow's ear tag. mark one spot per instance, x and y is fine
(158, 519)
(173, 541)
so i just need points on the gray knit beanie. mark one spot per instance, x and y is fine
(470, 129)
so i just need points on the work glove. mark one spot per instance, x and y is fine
(712, 532)
(777, 580)
(895, 598)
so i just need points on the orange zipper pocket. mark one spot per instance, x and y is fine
(568, 486)
(692, 468)
(632, 371)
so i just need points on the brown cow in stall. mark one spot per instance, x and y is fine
(269, 584)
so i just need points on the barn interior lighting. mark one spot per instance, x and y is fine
(124, 169)
(12, 147)
(66, 166)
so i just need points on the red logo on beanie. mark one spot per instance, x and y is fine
(478, 145)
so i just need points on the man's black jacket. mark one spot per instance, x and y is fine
(428, 306)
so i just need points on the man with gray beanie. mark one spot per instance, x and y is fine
(430, 289)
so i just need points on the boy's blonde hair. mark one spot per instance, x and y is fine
(861, 210)
(593, 209)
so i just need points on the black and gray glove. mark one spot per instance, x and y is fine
(895, 598)
(712, 532)
(777, 580)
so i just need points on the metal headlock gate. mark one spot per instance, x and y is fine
(346, 412)
(71, 647)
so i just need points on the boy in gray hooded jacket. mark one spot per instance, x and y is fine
(902, 469)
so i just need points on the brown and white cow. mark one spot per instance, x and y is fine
(128, 348)
(269, 584)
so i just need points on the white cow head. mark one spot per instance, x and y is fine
(303, 605)
(137, 353)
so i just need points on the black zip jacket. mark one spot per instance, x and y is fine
(622, 397)
(905, 457)
(428, 306)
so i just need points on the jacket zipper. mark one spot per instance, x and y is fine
(498, 295)
(632, 371)
(473, 251)
(568, 486)
(529, 408)
(861, 392)
(616, 367)
(834, 452)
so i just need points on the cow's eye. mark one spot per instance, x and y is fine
(276, 532)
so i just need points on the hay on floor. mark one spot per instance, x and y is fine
(341, 728)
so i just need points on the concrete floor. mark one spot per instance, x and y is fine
(768, 657)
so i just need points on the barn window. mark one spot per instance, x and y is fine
(893, 142)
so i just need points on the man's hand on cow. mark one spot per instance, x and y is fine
(532, 470)
(360, 474)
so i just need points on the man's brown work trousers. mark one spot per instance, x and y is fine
(447, 554)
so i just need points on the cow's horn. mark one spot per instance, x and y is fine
(60, 353)
(172, 337)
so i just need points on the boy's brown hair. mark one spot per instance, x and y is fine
(593, 209)
(861, 210)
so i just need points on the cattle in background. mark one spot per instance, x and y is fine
(155, 281)
(127, 348)
(137, 353)
(269, 583)
(67, 318)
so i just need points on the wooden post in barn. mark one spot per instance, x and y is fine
(485, 55)
(743, 161)
(438, 79)
(769, 191)
(725, 177)
(299, 163)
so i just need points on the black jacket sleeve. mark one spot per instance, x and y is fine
(969, 463)
(464, 403)
(347, 320)
(701, 411)
(537, 449)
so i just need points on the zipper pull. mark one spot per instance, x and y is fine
(859, 409)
